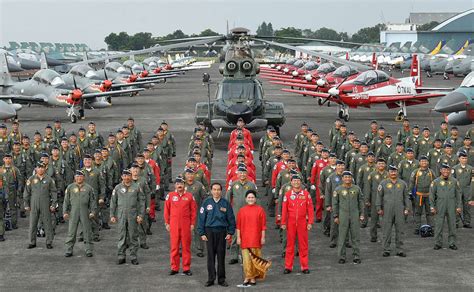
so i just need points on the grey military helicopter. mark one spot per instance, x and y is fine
(47, 88)
(239, 94)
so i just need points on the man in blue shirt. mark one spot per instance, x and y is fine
(216, 224)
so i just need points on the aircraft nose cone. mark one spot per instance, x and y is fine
(452, 102)
(6, 111)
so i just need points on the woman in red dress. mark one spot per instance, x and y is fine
(251, 226)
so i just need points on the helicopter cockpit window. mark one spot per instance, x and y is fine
(326, 68)
(344, 71)
(311, 65)
(240, 90)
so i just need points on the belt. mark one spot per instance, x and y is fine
(421, 195)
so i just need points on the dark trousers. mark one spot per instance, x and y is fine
(216, 247)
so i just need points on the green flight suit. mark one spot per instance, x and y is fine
(392, 198)
(40, 194)
(94, 178)
(445, 197)
(395, 158)
(126, 204)
(323, 176)
(236, 194)
(332, 182)
(421, 179)
(423, 146)
(465, 177)
(200, 194)
(370, 196)
(141, 181)
(79, 202)
(348, 206)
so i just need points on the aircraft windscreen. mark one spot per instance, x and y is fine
(371, 77)
(57, 81)
(468, 81)
(344, 71)
(240, 90)
(326, 68)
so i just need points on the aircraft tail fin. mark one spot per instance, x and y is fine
(106, 60)
(5, 77)
(170, 59)
(375, 64)
(415, 71)
(43, 61)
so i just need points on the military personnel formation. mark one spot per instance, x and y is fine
(352, 181)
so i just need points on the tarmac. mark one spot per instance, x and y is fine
(43, 269)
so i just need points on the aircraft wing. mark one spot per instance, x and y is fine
(18, 98)
(88, 96)
(391, 100)
(299, 85)
(434, 88)
(136, 83)
(310, 93)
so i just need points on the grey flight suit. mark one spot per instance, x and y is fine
(392, 198)
(39, 195)
(79, 202)
(445, 197)
(465, 178)
(127, 203)
(236, 195)
(332, 182)
(370, 196)
(348, 206)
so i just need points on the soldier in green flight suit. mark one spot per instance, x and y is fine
(96, 141)
(58, 132)
(405, 169)
(13, 182)
(59, 166)
(284, 177)
(378, 140)
(419, 187)
(424, 143)
(362, 179)
(127, 208)
(348, 208)
(464, 173)
(48, 137)
(359, 159)
(40, 200)
(396, 157)
(141, 181)
(448, 157)
(385, 149)
(38, 147)
(445, 201)
(332, 182)
(468, 149)
(454, 139)
(404, 132)
(370, 195)
(392, 205)
(94, 178)
(300, 137)
(411, 140)
(434, 154)
(200, 194)
(443, 132)
(335, 129)
(338, 141)
(323, 176)
(108, 175)
(23, 162)
(355, 148)
(83, 141)
(4, 142)
(236, 194)
(265, 142)
(372, 133)
(80, 205)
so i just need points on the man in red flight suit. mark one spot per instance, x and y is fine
(242, 151)
(156, 171)
(241, 160)
(239, 140)
(297, 219)
(245, 132)
(199, 164)
(280, 166)
(318, 166)
(180, 217)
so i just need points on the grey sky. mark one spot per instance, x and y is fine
(89, 21)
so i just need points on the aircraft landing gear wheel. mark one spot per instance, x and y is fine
(445, 76)
(81, 114)
(346, 118)
(109, 99)
(341, 114)
(73, 118)
(400, 116)
(320, 101)
(428, 74)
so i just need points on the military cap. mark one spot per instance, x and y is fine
(409, 149)
(381, 159)
(332, 154)
(48, 126)
(44, 154)
(179, 180)
(242, 168)
(286, 151)
(370, 153)
(191, 159)
(399, 144)
(8, 155)
(445, 165)
(392, 167)
(295, 177)
(347, 173)
(339, 162)
(325, 150)
(188, 170)
(448, 145)
(79, 172)
(40, 164)
(87, 156)
(134, 165)
(423, 157)
(462, 153)
(140, 155)
(126, 172)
